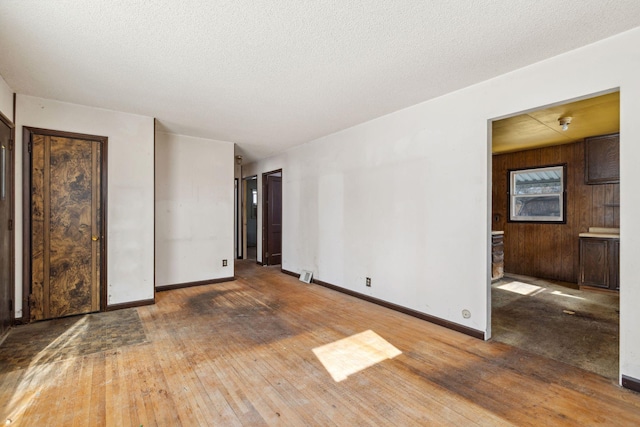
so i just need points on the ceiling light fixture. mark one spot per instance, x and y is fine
(564, 122)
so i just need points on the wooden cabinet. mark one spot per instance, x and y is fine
(497, 255)
(600, 262)
(602, 159)
(614, 264)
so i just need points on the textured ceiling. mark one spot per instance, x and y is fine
(595, 116)
(269, 75)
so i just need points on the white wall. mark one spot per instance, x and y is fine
(6, 99)
(130, 190)
(194, 209)
(405, 199)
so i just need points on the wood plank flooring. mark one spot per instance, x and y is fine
(241, 354)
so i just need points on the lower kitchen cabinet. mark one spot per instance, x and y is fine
(600, 262)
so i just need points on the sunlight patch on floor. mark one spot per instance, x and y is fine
(521, 288)
(353, 354)
(562, 294)
(25, 394)
(531, 290)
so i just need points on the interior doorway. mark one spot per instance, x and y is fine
(250, 212)
(65, 221)
(237, 218)
(272, 218)
(6, 224)
(542, 268)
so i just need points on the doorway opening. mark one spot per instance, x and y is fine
(272, 217)
(237, 218)
(65, 188)
(250, 214)
(7, 238)
(537, 297)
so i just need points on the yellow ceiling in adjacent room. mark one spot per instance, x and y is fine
(590, 117)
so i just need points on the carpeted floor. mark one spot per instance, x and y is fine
(580, 328)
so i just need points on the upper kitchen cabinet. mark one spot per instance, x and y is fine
(602, 159)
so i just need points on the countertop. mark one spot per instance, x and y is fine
(602, 233)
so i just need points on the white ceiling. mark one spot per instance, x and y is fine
(269, 75)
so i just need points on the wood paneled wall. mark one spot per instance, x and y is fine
(550, 251)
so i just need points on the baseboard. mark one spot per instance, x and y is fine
(290, 273)
(18, 321)
(131, 304)
(5, 335)
(631, 383)
(432, 319)
(596, 289)
(190, 284)
(259, 262)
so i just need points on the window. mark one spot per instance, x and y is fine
(537, 195)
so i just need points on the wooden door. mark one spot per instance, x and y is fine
(66, 225)
(272, 229)
(6, 224)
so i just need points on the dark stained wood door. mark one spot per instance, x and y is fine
(6, 225)
(272, 228)
(66, 229)
(594, 262)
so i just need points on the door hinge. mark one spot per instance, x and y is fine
(11, 145)
(10, 225)
(29, 146)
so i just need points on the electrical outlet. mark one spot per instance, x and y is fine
(369, 281)
(224, 262)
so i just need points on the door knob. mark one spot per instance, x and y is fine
(94, 238)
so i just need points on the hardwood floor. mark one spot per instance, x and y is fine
(242, 353)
